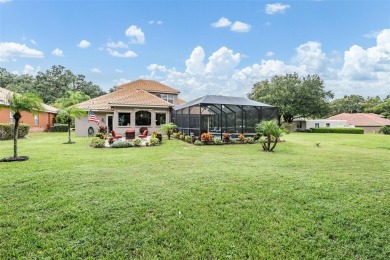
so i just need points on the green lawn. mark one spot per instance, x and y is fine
(181, 201)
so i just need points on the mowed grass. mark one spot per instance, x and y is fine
(179, 201)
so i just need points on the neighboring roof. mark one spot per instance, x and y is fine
(127, 94)
(5, 93)
(362, 119)
(222, 100)
(149, 86)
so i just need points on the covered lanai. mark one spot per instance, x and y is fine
(221, 114)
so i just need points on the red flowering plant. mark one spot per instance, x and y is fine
(226, 137)
(241, 138)
(206, 138)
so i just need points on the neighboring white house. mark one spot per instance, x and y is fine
(141, 103)
(302, 124)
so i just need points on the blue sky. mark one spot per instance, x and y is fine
(202, 47)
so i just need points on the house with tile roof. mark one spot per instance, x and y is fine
(371, 123)
(140, 103)
(39, 122)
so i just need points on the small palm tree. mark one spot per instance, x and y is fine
(27, 102)
(272, 132)
(168, 129)
(69, 114)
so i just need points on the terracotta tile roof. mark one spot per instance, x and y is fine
(149, 85)
(142, 98)
(5, 93)
(362, 119)
(127, 94)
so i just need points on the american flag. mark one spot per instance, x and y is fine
(92, 117)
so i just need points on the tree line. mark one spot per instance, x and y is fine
(51, 85)
(306, 97)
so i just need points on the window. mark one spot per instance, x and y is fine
(36, 120)
(166, 97)
(143, 118)
(161, 118)
(317, 125)
(327, 124)
(11, 117)
(123, 119)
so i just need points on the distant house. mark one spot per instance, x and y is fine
(38, 123)
(141, 103)
(371, 123)
(301, 124)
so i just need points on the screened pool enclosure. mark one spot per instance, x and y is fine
(221, 114)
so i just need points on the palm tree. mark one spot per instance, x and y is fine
(272, 132)
(70, 113)
(168, 129)
(17, 103)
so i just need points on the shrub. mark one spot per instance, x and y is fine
(218, 141)
(59, 128)
(226, 138)
(122, 145)
(193, 139)
(100, 135)
(249, 140)
(137, 142)
(233, 141)
(181, 137)
(7, 131)
(97, 142)
(337, 130)
(198, 143)
(257, 136)
(241, 138)
(206, 138)
(102, 129)
(177, 135)
(187, 138)
(154, 141)
(385, 130)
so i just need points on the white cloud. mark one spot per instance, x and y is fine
(118, 71)
(269, 54)
(136, 34)
(84, 44)
(276, 8)
(4, 1)
(57, 52)
(240, 27)
(127, 54)
(118, 44)
(222, 22)
(28, 69)
(9, 51)
(361, 71)
(155, 22)
(121, 81)
(372, 34)
(195, 64)
(33, 41)
(96, 70)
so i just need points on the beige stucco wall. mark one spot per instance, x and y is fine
(82, 124)
(370, 129)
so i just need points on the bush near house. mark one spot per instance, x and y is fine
(7, 131)
(385, 130)
(337, 130)
(59, 128)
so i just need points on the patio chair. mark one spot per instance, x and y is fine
(116, 136)
(144, 134)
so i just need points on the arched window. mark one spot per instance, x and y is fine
(143, 118)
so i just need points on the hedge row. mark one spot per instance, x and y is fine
(337, 130)
(7, 131)
(59, 128)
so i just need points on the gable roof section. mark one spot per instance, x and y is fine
(149, 86)
(124, 96)
(362, 119)
(5, 93)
